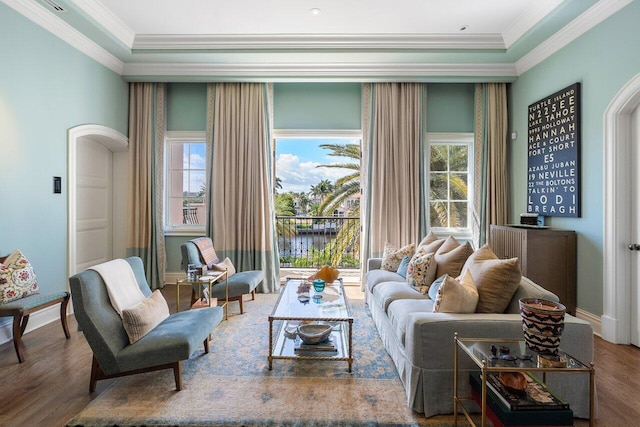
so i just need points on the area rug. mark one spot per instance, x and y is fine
(232, 385)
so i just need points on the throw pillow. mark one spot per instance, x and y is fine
(392, 256)
(404, 265)
(496, 279)
(17, 278)
(451, 257)
(225, 265)
(433, 289)
(456, 297)
(422, 270)
(429, 238)
(140, 319)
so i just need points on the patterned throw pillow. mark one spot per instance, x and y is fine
(422, 270)
(17, 278)
(392, 256)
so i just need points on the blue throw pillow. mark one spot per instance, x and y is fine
(402, 268)
(433, 289)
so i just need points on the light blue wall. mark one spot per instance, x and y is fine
(187, 107)
(602, 61)
(46, 87)
(317, 106)
(450, 107)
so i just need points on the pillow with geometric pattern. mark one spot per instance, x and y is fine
(17, 278)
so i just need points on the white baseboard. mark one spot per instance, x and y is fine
(170, 277)
(36, 320)
(596, 322)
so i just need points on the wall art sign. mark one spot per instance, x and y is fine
(553, 183)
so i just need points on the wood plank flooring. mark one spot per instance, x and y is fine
(52, 385)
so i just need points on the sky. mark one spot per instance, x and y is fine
(297, 161)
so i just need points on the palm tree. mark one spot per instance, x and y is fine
(278, 184)
(284, 207)
(445, 184)
(348, 237)
(322, 189)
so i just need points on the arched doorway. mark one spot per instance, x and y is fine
(618, 221)
(97, 195)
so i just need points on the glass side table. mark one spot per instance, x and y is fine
(208, 280)
(525, 361)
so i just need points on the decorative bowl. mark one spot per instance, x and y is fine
(542, 324)
(318, 285)
(314, 333)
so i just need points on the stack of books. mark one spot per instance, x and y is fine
(536, 406)
(326, 346)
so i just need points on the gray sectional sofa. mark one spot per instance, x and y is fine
(421, 343)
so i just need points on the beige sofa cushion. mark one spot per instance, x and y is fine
(456, 296)
(496, 279)
(451, 257)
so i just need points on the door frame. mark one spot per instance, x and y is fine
(618, 138)
(111, 139)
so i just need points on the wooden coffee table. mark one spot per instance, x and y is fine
(295, 306)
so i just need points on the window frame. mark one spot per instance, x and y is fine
(169, 138)
(452, 138)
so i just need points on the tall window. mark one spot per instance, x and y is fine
(450, 182)
(185, 181)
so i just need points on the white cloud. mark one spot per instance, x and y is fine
(299, 176)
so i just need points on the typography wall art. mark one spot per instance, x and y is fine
(553, 183)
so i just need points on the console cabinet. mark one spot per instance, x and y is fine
(547, 256)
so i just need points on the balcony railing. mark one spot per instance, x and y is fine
(314, 241)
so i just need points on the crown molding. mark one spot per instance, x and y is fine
(56, 26)
(107, 20)
(529, 18)
(320, 70)
(583, 23)
(317, 133)
(316, 41)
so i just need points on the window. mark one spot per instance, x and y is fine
(450, 179)
(185, 181)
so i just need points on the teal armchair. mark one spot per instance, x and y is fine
(241, 283)
(173, 340)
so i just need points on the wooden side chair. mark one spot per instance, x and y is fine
(21, 309)
(22, 297)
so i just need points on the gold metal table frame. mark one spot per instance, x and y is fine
(466, 344)
(330, 306)
(209, 281)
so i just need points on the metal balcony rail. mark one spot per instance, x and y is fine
(314, 241)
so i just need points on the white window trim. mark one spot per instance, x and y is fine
(465, 138)
(178, 230)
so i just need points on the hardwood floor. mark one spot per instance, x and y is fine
(52, 385)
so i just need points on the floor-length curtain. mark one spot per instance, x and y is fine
(241, 212)
(491, 192)
(146, 131)
(392, 190)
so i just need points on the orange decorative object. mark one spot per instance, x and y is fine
(326, 273)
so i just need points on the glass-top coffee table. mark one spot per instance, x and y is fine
(298, 304)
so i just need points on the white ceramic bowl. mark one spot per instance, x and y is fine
(314, 333)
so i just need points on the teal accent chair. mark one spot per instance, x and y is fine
(175, 339)
(241, 283)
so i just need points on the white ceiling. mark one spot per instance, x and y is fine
(201, 40)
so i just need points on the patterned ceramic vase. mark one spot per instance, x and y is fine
(542, 324)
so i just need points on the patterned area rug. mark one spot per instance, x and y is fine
(232, 385)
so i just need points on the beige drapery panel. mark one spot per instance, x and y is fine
(241, 219)
(146, 132)
(491, 177)
(393, 155)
